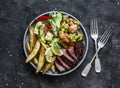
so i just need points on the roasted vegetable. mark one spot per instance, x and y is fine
(41, 61)
(44, 45)
(35, 60)
(32, 37)
(53, 69)
(28, 47)
(48, 65)
(33, 52)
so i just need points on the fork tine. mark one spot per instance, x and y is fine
(107, 37)
(96, 26)
(103, 36)
(91, 26)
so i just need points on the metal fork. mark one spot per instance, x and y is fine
(94, 35)
(101, 43)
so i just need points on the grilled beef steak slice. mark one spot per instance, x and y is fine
(67, 55)
(72, 53)
(79, 49)
(63, 63)
(67, 61)
(59, 67)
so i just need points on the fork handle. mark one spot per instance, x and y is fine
(97, 65)
(86, 70)
(97, 61)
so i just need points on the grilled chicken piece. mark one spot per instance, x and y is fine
(72, 53)
(63, 63)
(64, 38)
(67, 55)
(73, 28)
(59, 67)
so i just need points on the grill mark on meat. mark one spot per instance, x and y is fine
(59, 67)
(66, 61)
(72, 53)
(67, 55)
(63, 63)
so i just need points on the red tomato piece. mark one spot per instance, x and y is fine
(47, 28)
(41, 18)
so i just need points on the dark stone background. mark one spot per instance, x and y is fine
(15, 16)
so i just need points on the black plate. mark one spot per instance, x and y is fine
(26, 38)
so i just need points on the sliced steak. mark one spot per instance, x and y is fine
(63, 63)
(59, 67)
(72, 53)
(79, 46)
(67, 56)
(67, 61)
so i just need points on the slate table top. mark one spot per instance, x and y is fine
(15, 16)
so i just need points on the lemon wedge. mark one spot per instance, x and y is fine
(49, 55)
(56, 49)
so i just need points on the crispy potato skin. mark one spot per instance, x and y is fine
(41, 61)
(32, 36)
(33, 52)
(35, 60)
(48, 65)
(28, 47)
(53, 68)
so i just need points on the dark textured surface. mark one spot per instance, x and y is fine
(15, 15)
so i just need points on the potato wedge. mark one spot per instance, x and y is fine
(48, 65)
(28, 47)
(44, 45)
(32, 36)
(33, 52)
(53, 68)
(41, 60)
(35, 60)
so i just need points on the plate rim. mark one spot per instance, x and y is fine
(86, 41)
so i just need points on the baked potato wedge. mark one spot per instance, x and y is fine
(32, 37)
(41, 60)
(35, 60)
(53, 68)
(33, 52)
(48, 65)
(28, 47)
